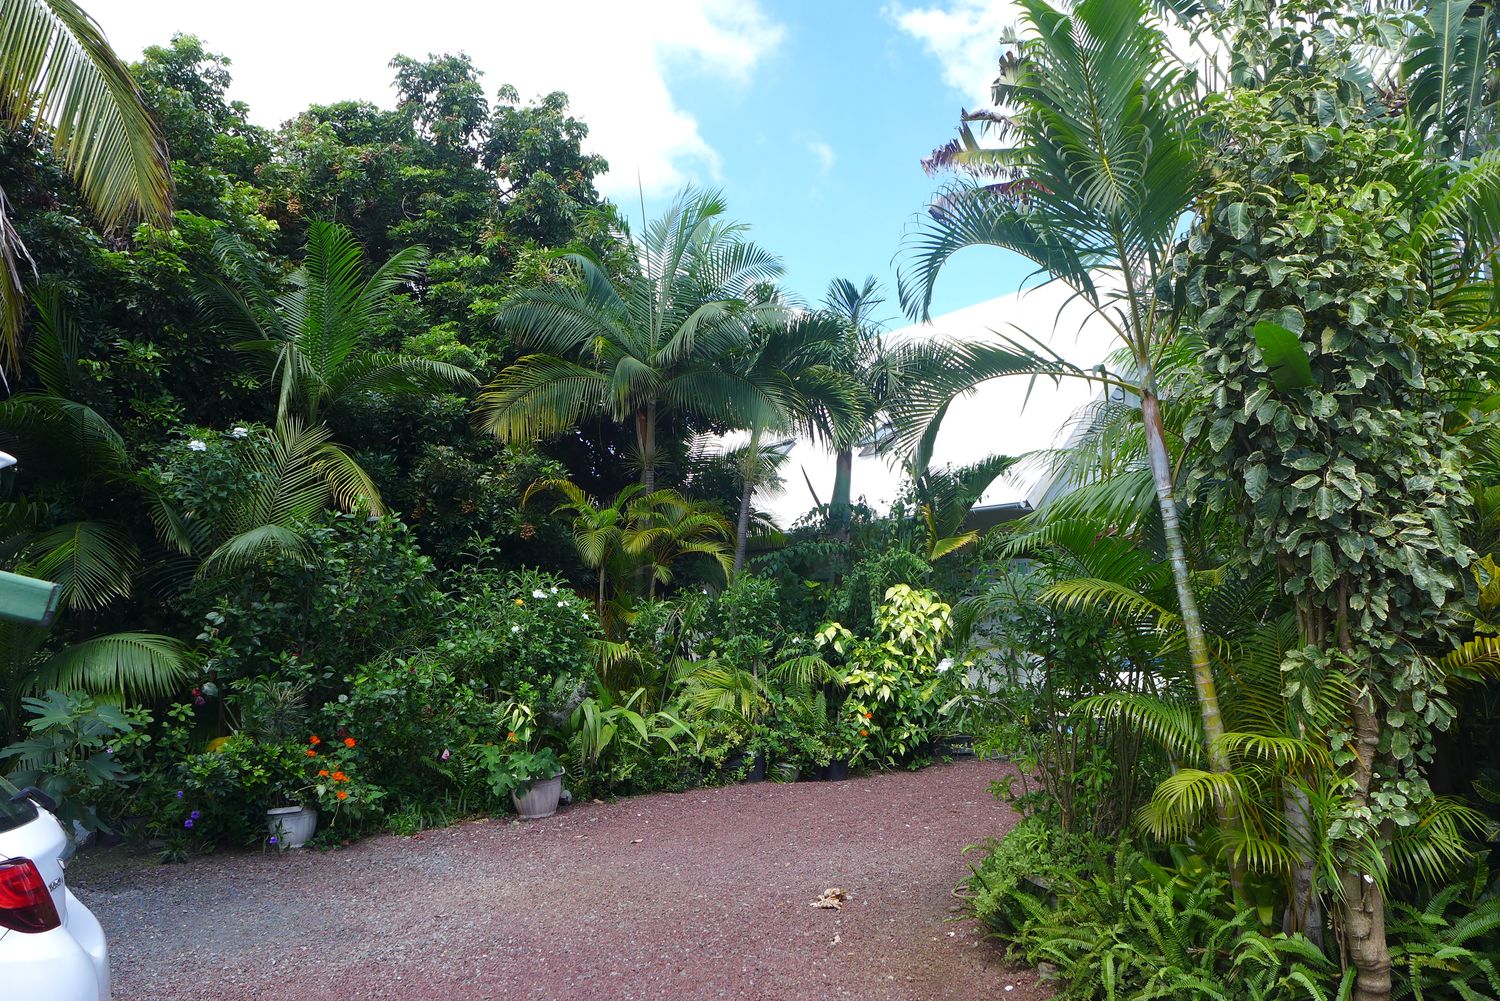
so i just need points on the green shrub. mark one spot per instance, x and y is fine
(410, 716)
(524, 634)
(1117, 926)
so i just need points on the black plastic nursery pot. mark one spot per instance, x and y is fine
(757, 769)
(958, 745)
(838, 771)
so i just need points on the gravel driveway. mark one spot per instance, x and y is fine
(703, 894)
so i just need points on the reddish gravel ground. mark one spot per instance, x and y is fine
(686, 896)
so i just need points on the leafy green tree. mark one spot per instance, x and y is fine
(1330, 269)
(60, 79)
(635, 345)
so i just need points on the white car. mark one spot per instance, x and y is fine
(51, 946)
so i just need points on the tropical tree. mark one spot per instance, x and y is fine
(865, 358)
(637, 534)
(60, 80)
(80, 461)
(800, 389)
(315, 336)
(635, 345)
(1095, 171)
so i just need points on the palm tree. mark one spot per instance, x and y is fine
(292, 475)
(1097, 172)
(598, 530)
(635, 345)
(794, 367)
(865, 358)
(60, 79)
(638, 534)
(315, 334)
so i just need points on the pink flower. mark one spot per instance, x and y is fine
(444, 755)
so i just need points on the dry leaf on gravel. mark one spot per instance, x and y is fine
(832, 899)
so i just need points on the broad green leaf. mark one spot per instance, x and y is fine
(1284, 355)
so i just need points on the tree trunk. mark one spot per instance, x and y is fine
(645, 440)
(1192, 622)
(1362, 909)
(839, 504)
(1304, 911)
(747, 492)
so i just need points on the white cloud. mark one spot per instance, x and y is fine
(613, 59)
(963, 35)
(823, 153)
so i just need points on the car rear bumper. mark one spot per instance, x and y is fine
(70, 963)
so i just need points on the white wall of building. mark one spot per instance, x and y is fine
(997, 418)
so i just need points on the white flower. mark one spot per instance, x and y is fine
(562, 604)
(539, 593)
(239, 431)
(515, 629)
(197, 446)
(554, 590)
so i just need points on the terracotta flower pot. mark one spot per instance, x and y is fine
(540, 799)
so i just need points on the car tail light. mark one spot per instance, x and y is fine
(25, 903)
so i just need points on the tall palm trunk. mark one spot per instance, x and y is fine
(1192, 621)
(645, 439)
(839, 506)
(747, 492)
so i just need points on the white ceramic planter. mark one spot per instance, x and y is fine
(293, 826)
(540, 800)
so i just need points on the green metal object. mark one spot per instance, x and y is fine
(27, 600)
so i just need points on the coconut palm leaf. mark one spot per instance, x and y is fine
(92, 561)
(129, 665)
(58, 72)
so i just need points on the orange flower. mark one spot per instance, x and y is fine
(340, 777)
(315, 740)
(511, 736)
(868, 714)
(322, 773)
(863, 732)
(341, 794)
(348, 741)
(311, 753)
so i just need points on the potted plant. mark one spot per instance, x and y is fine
(290, 820)
(523, 766)
(848, 738)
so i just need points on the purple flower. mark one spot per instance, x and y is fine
(195, 815)
(187, 823)
(273, 840)
(179, 793)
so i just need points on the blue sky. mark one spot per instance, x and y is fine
(812, 116)
(820, 150)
